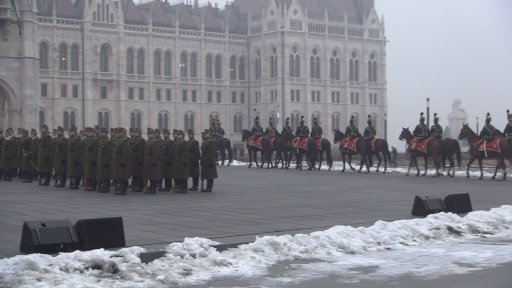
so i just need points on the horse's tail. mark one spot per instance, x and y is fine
(229, 147)
(458, 153)
(385, 150)
(326, 146)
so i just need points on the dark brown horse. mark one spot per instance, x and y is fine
(284, 149)
(362, 149)
(379, 148)
(505, 146)
(253, 150)
(434, 150)
(451, 147)
(325, 147)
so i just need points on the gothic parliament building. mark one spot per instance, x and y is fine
(164, 64)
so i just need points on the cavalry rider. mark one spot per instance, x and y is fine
(421, 130)
(436, 130)
(302, 130)
(316, 131)
(508, 129)
(351, 131)
(369, 132)
(219, 131)
(287, 128)
(488, 132)
(270, 131)
(257, 130)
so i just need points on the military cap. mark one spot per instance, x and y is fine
(9, 130)
(33, 131)
(422, 118)
(315, 120)
(174, 131)
(257, 119)
(352, 119)
(369, 120)
(287, 119)
(157, 131)
(302, 118)
(73, 128)
(150, 131)
(509, 115)
(44, 126)
(488, 117)
(436, 118)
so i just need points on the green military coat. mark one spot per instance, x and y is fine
(10, 154)
(26, 155)
(105, 149)
(137, 156)
(74, 157)
(60, 162)
(180, 159)
(152, 170)
(121, 168)
(167, 157)
(34, 151)
(45, 157)
(208, 160)
(194, 155)
(91, 157)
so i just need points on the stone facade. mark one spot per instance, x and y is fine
(114, 63)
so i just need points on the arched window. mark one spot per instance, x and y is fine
(334, 66)
(157, 63)
(336, 121)
(140, 61)
(75, 66)
(43, 55)
(317, 116)
(66, 121)
(294, 63)
(232, 68)
(237, 123)
(69, 119)
(105, 52)
(257, 65)
(273, 63)
(193, 65)
(163, 120)
(372, 69)
(314, 64)
(209, 65)
(374, 119)
(103, 119)
(183, 64)
(63, 57)
(354, 67)
(136, 119)
(41, 118)
(167, 63)
(218, 67)
(241, 68)
(130, 56)
(189, 121)
(294, 120)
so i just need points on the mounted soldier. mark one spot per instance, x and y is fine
(208, 161)
(316, 133)
(74, 165)
(303, 130)
(193, 160)
(436, 130)
(351, 131)
(287, 129)
(369, 132)
(488, 132)
(420, 133)
(508, 128)
(219, 131)
(270, 132)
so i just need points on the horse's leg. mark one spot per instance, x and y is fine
(343, 160)
(350, 161)
(410, 166)
(417, 166)
(426, 165)
(471, 160)
(481, 169)
(250, 157)
(498, 165)
(321, 152)
(378, 163)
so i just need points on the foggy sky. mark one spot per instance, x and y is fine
(446, 49)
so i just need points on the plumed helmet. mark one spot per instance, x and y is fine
(302, 119)
(190, 132)
(436, 118)
(509, 115)
(315, 120)
(422, 117)
(287, 120)
(270, 121)
(488, 118)
(369, 120)
(257, 120)
(351, 120)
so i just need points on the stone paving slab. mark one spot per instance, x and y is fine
(246, 203)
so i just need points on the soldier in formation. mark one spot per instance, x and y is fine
(270, 131)
(194, 156)
(316, 130)
(436, 130)
(508, 128)
(257, 130)
(351, 131)
(287, 129)
(421, 130)
(208, 161)
(302, 130)
(488, 132)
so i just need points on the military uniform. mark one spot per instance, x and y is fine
(287, 129)
(167, 160)
(270, 131)
(508, 128)
(421, 130)
(257, 130)
(34, 154)
(302, 130)
(45, 157)
(60, 144)
(25, 156)
(104, 159)
(351, 131)
(121, 162)
(152, 170)
(91, 160)
(137, 144)
(316, 131)
(194, 155)
(181, 161)
(9, 156)
(74, 167)
(208, 161)
(436, 130)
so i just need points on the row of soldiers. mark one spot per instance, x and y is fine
(100, 160)
(488, 132)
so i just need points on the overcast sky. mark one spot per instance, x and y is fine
(446, 49)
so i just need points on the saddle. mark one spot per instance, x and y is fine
(255, 141)
(420, 144)
(484, 145)
(350, 144)
(318, 141)
(300, 142)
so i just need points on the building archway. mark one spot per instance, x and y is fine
(6, 111)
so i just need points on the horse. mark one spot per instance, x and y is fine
(450, 147)
(265, 150)
(434, 150)
(284, 149)
(505, 147)
(325, 147)
(223, 145)
(310, 151)
(379, 148)
(361, 149)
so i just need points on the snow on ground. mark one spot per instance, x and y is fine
(383, 247)
(338, 165)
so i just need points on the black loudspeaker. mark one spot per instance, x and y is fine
(424, 206)
(458, 203)
(100, 233)
(48, 237)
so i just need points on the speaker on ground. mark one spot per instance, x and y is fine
(48, 237)
(458, 203)
(100, 233)
(424, 206)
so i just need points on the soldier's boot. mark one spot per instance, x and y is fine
(181, 185)
(62, 180)
(195, 184)
(122, 187)
(27, 177)
(209, 185)
(1, 174)
(138, 184)
(47, 177)
(105, 186)
(165, 185)
(77, 182)
(152, 187)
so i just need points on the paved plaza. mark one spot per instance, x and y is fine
(246, 203)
